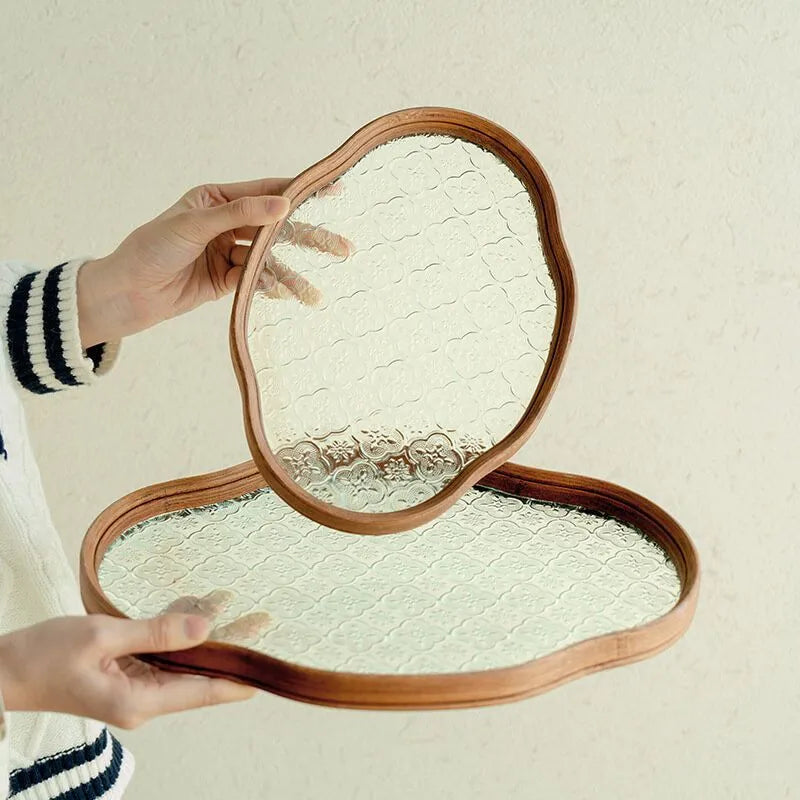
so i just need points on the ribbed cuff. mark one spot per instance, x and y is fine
(43, 335)
(101, 769)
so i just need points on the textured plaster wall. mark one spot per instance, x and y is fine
(670, 132)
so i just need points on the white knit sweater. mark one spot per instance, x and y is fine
(43, 756)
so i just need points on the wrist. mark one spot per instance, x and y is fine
(16, 695)
(105, 311)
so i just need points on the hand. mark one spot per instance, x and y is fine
(192, 253)
(280, 282)
(83, 666)
(243, 631)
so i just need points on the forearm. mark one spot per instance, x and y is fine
(19, 692)
(10, 678)
(64, 325)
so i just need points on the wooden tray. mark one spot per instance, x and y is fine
(379, 551)
(666, 568)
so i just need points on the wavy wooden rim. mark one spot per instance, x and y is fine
(523, 163)
(411, 691)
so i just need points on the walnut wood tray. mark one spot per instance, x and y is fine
(395, 342)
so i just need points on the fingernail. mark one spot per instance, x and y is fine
(279, 206)
(196, 627)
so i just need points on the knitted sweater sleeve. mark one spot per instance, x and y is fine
(39, 319)
(39, 312)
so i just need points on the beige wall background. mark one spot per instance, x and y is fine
(671, 135)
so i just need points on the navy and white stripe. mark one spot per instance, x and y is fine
(101, 769)
(43, 336)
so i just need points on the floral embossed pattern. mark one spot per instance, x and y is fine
(494, 582)
(428, 341)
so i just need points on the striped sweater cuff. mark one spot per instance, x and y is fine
(43, 336)
(99, 770)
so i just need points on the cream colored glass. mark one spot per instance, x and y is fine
(407, 359)
(494, 582)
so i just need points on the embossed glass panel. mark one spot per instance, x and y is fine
(496, 581)
(403, 323)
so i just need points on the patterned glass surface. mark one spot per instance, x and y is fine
(495, 581)
(403, 323)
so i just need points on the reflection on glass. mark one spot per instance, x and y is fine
(495, 581)
(415, 329)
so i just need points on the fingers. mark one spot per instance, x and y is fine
(280, 282)
(200, 226)
(277, 291)
(232, 277)
(330, 190)
(269, 281)
(175, 692)
(183, 605)
(239, 253)
(263, 186)
(215, 602)
(160, 634)
(246, 233)
(243, 631)
(305, 235)
(209, 605)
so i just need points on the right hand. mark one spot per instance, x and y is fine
(243, 631)
(84, 666)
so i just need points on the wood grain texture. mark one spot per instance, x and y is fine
(523, 163)
(411, 691)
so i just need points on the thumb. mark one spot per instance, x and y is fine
(208, 223)
(161, 634)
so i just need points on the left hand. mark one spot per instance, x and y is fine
(191, 253)
(84, 666)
